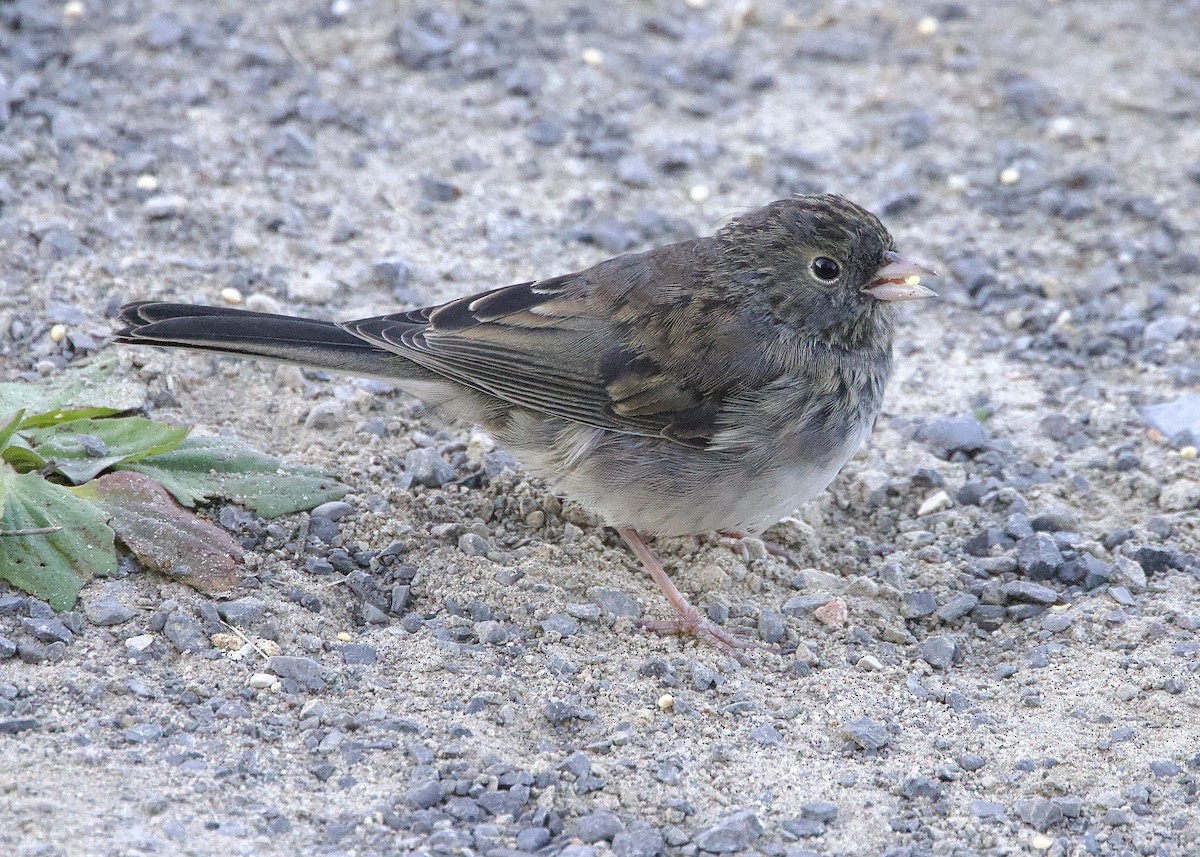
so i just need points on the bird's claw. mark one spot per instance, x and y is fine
(731, 641)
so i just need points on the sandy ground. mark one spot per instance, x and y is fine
(350, 159)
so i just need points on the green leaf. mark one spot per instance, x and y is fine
(20, 456)
(82, 449)
(10, 429)
(98, 384)
(204, 467)
(51, 565)
(163, 536)
(58, 417)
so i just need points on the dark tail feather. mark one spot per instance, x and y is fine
(304, 341)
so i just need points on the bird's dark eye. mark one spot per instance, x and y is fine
(825, 268)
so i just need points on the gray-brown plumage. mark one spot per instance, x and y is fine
(710, 385)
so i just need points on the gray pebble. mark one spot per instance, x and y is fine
(425, 466)
(954, 434)
(292, 147)
(8, 648)
(615, 602)
(957, 607)
(1056, 623)
(939, 651)
(560, 623)
(598, 827)
(634, 170)
(359, 653)
(325, 415)
(48, 630)
(473, 544)
(819, 810)
(532, 838)
(391, 273)
(916, 603)
(243, 611)
(641, 842)
(770, 626)
(1039, 813)
(304, 671)
(834, 44)
(767, 736)
(802, 828)
(1038, 556)
(424, 795)
(107, 610)
(434, 189)
(867, 733)
(731, 835)
(185, 633)
(970, 762)
(986, 809)
(545, 132)
(505, 801)
(334, 510)
(1023, 590)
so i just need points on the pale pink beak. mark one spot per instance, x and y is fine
(900, 280)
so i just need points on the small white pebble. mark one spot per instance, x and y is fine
(1187, 453)
(147, 181)
(936, 502)
(262, 681)
(139, 643)
(697, 4)
(957, 181)
(58, 333)
(344, 637)
(699, 193)
(927, 26)
(73, 10)
(1010, 175)
(869, 663)
(339, 8)
(592, 56)
(231, 295)
(1041, 842)
(666, 702)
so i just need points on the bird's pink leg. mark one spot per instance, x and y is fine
(690, 621)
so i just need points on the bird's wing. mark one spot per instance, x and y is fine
(603, 347)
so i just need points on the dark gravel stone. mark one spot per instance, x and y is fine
(834, 44)
(954, 434)
(614, 602)
(532, 838)
(819, 810)
(359, 653)
(393, 274)
(970, 762)
(767, 736)
(1038, 556)
(13, 725)
(505, 801)
(434, 189)
(802, 828)
(986, 809)
(731, 835)
(922, 788)
(8, 648)
(867, 733)
(424, 795)
(1165, 769)
(913, 128)
(107, 610)
(939, 651)
(185, 633)
(560, 623)
(770, 626)
(917, 603)
(641, 842)
(243, 611)
(1039, 813)
(545, 132)
(1023, 590)
(304, 671)
(598, 827)
(425, 466)
(48, 630)
(1154, 559)
(959, 605)
(291, 146)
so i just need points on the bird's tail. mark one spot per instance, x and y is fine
(304, 341)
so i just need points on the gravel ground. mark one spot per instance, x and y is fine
(991, 644)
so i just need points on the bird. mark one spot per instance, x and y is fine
(710, 385)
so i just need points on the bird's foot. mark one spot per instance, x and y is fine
(731, 641)
(737, 541)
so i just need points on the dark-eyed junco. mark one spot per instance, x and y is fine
(710, 385)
